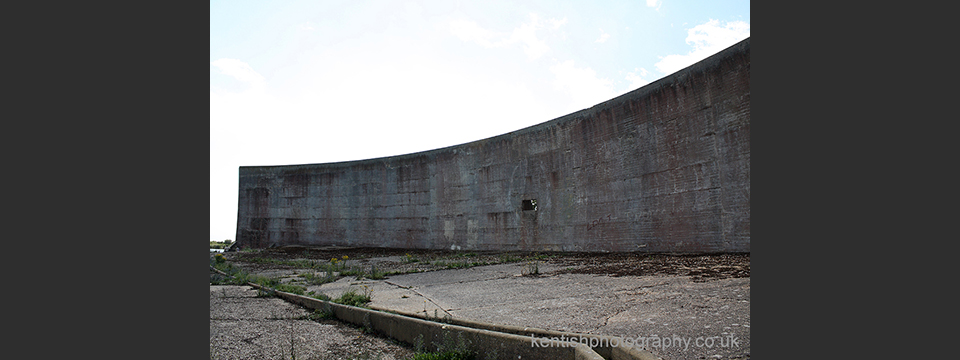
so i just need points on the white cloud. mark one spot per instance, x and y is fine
(239, 70)
(582, 84)
(654, 3)
(524, 35)
(706, 39)
(306, 26)
(555, 23)
(636, 78)
(603, 36)
(469, 31)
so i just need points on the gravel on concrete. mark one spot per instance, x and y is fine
(244, 325)
(684, 307)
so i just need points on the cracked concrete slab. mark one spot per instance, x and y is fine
(623, 306)
(622, 295)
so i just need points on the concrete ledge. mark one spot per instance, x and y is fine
(430, 334)
(603, 347)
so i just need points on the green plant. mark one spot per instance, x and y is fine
(531, 268)
(317, 279)
(374, 274)
(319, 314)
(220, 244)
(319, 296)
(446, 355)
(296, 289)
(353, 298)
(266, 293)
(447, 350)
(235, 275)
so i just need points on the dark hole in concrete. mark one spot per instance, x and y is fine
(529, 204)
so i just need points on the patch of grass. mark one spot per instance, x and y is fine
(296, 289)
(236, 276)
(407, 258)
(217, 279)
(353, 298)
(319, 296)
(317, 279)
(375, 274)
(531, 268)
(266, 293)
(318, 314)
(447, 350)
(220, 244)
(446, 355)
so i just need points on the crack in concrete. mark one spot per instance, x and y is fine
(620, 309)
(421, 295)
(250, 340)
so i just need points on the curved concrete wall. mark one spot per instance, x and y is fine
(664, 168)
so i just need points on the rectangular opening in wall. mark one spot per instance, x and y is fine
(530, 204)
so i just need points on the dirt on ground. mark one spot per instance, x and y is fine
(247, 326)
(700, 267)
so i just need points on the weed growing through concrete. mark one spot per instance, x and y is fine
(295, 289)
(318, 315)
(266, 293)
(375, 274)
(312, 278)
(531, 268)
(353, 298)
(447, 350)
(319, 296)
(359, 273)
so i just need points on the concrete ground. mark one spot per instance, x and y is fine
(245, 326)
(683, 307)
(710, 319)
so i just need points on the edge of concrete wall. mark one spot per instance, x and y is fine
(606, 351)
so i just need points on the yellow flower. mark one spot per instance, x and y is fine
(345, 257)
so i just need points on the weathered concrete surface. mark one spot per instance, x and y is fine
(664, 168)
(433, 334)
(244, 326)
(717, 311)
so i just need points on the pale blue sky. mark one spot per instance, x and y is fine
(298, 82)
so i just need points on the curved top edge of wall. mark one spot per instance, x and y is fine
(741, 47)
